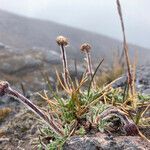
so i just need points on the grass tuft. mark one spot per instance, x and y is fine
(86, 110)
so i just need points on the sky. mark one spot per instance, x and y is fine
(98, 16)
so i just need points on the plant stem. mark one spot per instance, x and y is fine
(89, 63)
(90, 69)
(65, 64)
(125, 47)
(7, 90)
(89, 88)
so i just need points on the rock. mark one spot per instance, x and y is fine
(143, 79)
(26, 68)
(120, 82)
(51, 57)
(104, 142)
(20, 131)
(19, 63)
(2, 46)
(146, 92)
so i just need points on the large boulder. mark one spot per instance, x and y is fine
(104, 142)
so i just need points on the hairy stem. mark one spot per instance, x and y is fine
(90, 69)
(65, 64)
(5, 89)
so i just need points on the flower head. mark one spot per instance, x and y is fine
(3, 86)
(61, 40)
(131, 129)
(85, 47)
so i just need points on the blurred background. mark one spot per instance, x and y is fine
(28, 31)
(99, 16)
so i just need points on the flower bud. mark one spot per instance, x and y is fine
(3, 86)
(61, 40)
(131, 129)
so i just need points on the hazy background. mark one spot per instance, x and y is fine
(99, 16)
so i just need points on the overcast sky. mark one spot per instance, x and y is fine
(95, 15)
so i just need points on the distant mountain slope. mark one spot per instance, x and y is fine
(24, 33)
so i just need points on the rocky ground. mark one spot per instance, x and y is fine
(24, 70)
(19, 127)
(104, 142)
(21, 68)
(27, 66)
